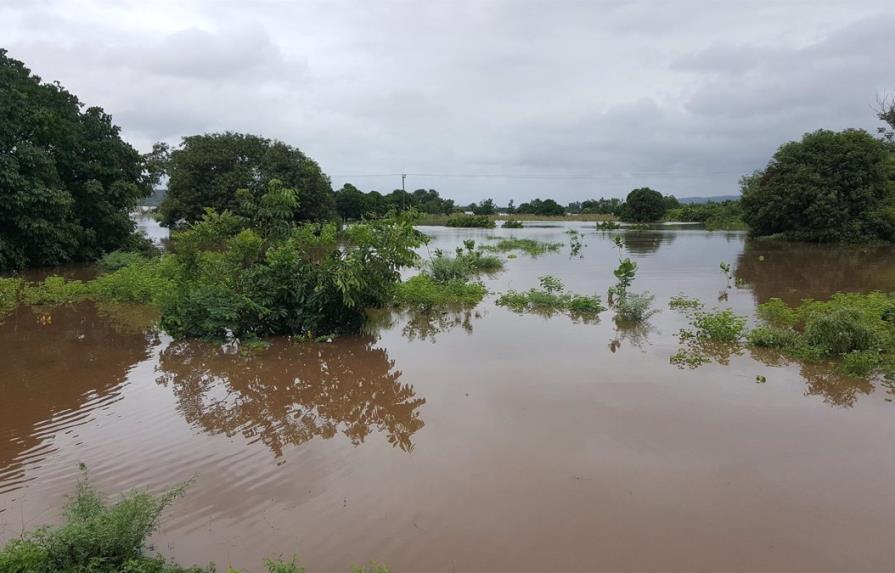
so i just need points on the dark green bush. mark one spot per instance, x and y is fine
(839, 331)
(830, 186)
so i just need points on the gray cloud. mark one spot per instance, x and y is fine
(565, 98)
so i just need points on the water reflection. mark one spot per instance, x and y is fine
(793, 272)
(635, 334)
(647, 242)
(59, 365)
(821, 379)
(425, 324)
(291, 393)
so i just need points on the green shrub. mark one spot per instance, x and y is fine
(119, 259)
(423, 291)
(721, 326)
(10, 287)
(98, 537)
(608, 225)
(54, 290)
(778, 313)
(512, 224)
(461, 220)
(443, 268)
(839, 331)
(772, 337)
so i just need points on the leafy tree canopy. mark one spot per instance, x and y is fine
(541, 207)
(67, 179)
(206, 171)
(644, 205)
(830, 186)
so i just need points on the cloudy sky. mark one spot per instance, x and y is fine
(477, 98)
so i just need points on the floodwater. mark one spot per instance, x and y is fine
(478, 440)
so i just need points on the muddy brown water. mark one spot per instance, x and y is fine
(478, 440)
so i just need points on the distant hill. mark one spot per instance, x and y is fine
(715, 199)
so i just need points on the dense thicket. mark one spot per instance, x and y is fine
(830, 186)
(207, 171)
(715, 215)
(67, 179)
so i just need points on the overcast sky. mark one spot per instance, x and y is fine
(477, 98)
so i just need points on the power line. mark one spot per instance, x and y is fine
(546, 177)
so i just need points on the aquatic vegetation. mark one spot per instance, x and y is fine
(475, 221)
(771, 337)
(575, 244)
(725, 268)
(9, 293)
(99, 537)
(424, 291)
(529, 246)
(512, 224)
(684, 303)
(608, 225)
(718, 326)
(551, 297)
(629, 307)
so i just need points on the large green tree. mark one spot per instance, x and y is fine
(830, 186)
(643, 205)
(67, 180)
(207, 171)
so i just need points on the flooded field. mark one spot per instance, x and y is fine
(477, 440)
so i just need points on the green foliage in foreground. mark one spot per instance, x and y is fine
(99, 537)
(724, 215)
(551, 297)
(529, 246)
(424, 291)
(461, 220)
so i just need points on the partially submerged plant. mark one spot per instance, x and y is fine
(529, 246)
(550, 298)
(512, 224)
(629, 307)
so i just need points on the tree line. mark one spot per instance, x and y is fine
(68, 182)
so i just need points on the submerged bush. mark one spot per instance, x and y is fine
(721, 326)
(634, 307)
(512, 224)
(839, 332)
(772, 337)
(551, 297)
(461, 220)
(529, 246)
(424, 291)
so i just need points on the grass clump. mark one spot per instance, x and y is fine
(528, 246)
(424, 291)
(474, 221)
(512, 224)
(551, 297)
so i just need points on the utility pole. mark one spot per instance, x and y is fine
(403, 193)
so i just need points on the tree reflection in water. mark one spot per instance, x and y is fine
(291, 393)
(821, 378)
